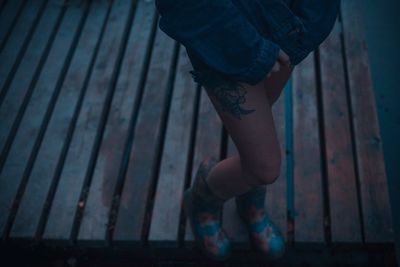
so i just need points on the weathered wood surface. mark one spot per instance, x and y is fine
(345, 224)
(375, 206)
(103, 128)
(12, 108)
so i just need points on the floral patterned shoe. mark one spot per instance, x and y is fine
(263, 233)
(203, 209)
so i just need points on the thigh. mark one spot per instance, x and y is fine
(246, 114)
(275, 83)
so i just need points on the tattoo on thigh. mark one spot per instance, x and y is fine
(230, 95)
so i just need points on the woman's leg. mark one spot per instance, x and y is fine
(259, 158)
(276, 82)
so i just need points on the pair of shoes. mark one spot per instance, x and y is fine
(264, 235)
(204, 209)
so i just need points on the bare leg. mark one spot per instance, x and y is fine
(276, 82)
(254, 135)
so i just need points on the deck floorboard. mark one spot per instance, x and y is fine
(103, 128)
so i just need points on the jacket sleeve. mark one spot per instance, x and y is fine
(220, 35)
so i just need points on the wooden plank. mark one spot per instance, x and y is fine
(58, 133)
(8, 16)
(275, 200)
(83, 144)
(13, 101)
(13, 50)
(95, 222)
(164, 226)
(343, 202)
(370, 162)
(25, 141)
(23, 77)
(207, 143)
(308, 200)
(132, 216)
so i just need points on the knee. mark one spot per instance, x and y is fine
(263, 172)
(268, 176)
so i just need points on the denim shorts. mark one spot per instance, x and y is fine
(297, 27)
(230, 41)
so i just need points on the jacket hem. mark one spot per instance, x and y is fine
(262, 64)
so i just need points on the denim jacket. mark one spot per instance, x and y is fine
(241, 38)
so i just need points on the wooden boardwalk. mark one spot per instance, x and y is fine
(102, 129)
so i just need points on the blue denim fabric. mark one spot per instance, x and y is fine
(239, 40)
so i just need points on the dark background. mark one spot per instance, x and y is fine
(383, 40)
